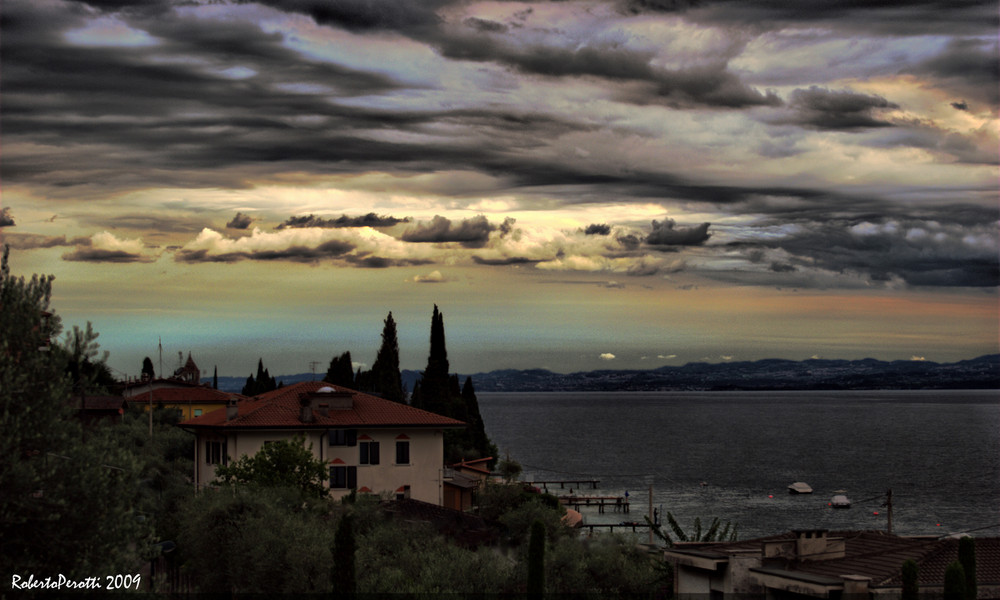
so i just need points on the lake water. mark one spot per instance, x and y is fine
(939, 453)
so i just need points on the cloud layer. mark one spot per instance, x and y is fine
(638, 137)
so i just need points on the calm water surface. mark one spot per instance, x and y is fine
(939, 453)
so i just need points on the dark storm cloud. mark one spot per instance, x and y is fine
(822, 108)
(666, 233)
(180, 119)
(6, 219)
(240, 221)
(471, 233)
(380, 262)
(366, 15)
(950, 246)
(28, 241)
(368, 220)
(296, 253)
(597, 229)
(506, 261)
(485, 25)
(969, 66)
(893, 17)
(630, 242)
(955, 146)
(145, 222)
(85, 253)
(709, 85)
(481, 40)
(175, 124)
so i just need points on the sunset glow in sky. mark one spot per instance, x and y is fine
(576, 184)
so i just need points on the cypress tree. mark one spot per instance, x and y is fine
(261, 378)
(967, 556)
(416, 396)
(215, 378)
(910, 573)
(250, 387)
(954, 582)
(341, 371)
(147, 369)
(434, 382)
(344, 570)
(536, 561)
(261, 384)
(386, 378)
(480, 441)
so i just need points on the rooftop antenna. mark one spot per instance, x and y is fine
(312, 367)
(160, 343)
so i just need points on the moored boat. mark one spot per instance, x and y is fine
(800, 487)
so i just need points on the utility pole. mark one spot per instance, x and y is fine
(651, 515)
(888, 507)
(312, 367)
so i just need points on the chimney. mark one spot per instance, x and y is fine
(333, 399)
(814, 544)
(232, 409)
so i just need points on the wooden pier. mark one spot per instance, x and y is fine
(562, 483)
(611, 526)
(617, 503)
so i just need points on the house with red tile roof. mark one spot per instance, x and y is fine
(191, 399)
(823, 564)
(371, 445)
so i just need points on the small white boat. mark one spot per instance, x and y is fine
(840, 501)
(800, 487)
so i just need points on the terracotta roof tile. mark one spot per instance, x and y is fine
(932, 565)
(281, 408)
(880, 556)
(872, 554)
(185, 395)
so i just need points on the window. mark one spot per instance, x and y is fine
(402, 453)
(369, 453)
(197, 412)
(215, 453)
(343, 478)
(342, 437)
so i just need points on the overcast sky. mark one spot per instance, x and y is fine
(577, 185)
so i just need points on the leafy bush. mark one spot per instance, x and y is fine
(256, 540)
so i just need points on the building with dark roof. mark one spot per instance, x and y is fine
(822, 564)
(191, 399)
(95, 410)
(371, 444)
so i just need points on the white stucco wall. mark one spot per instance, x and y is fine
(422, 474)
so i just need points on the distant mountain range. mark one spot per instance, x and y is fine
(769, 374)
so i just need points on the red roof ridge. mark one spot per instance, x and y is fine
(280, 408)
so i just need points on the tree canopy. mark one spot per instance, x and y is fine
(262, 384)
(68, 500)
(440, 392)
(341, 371)
(387, 381)
(284, 463)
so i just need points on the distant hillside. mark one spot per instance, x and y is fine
(769, 374)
